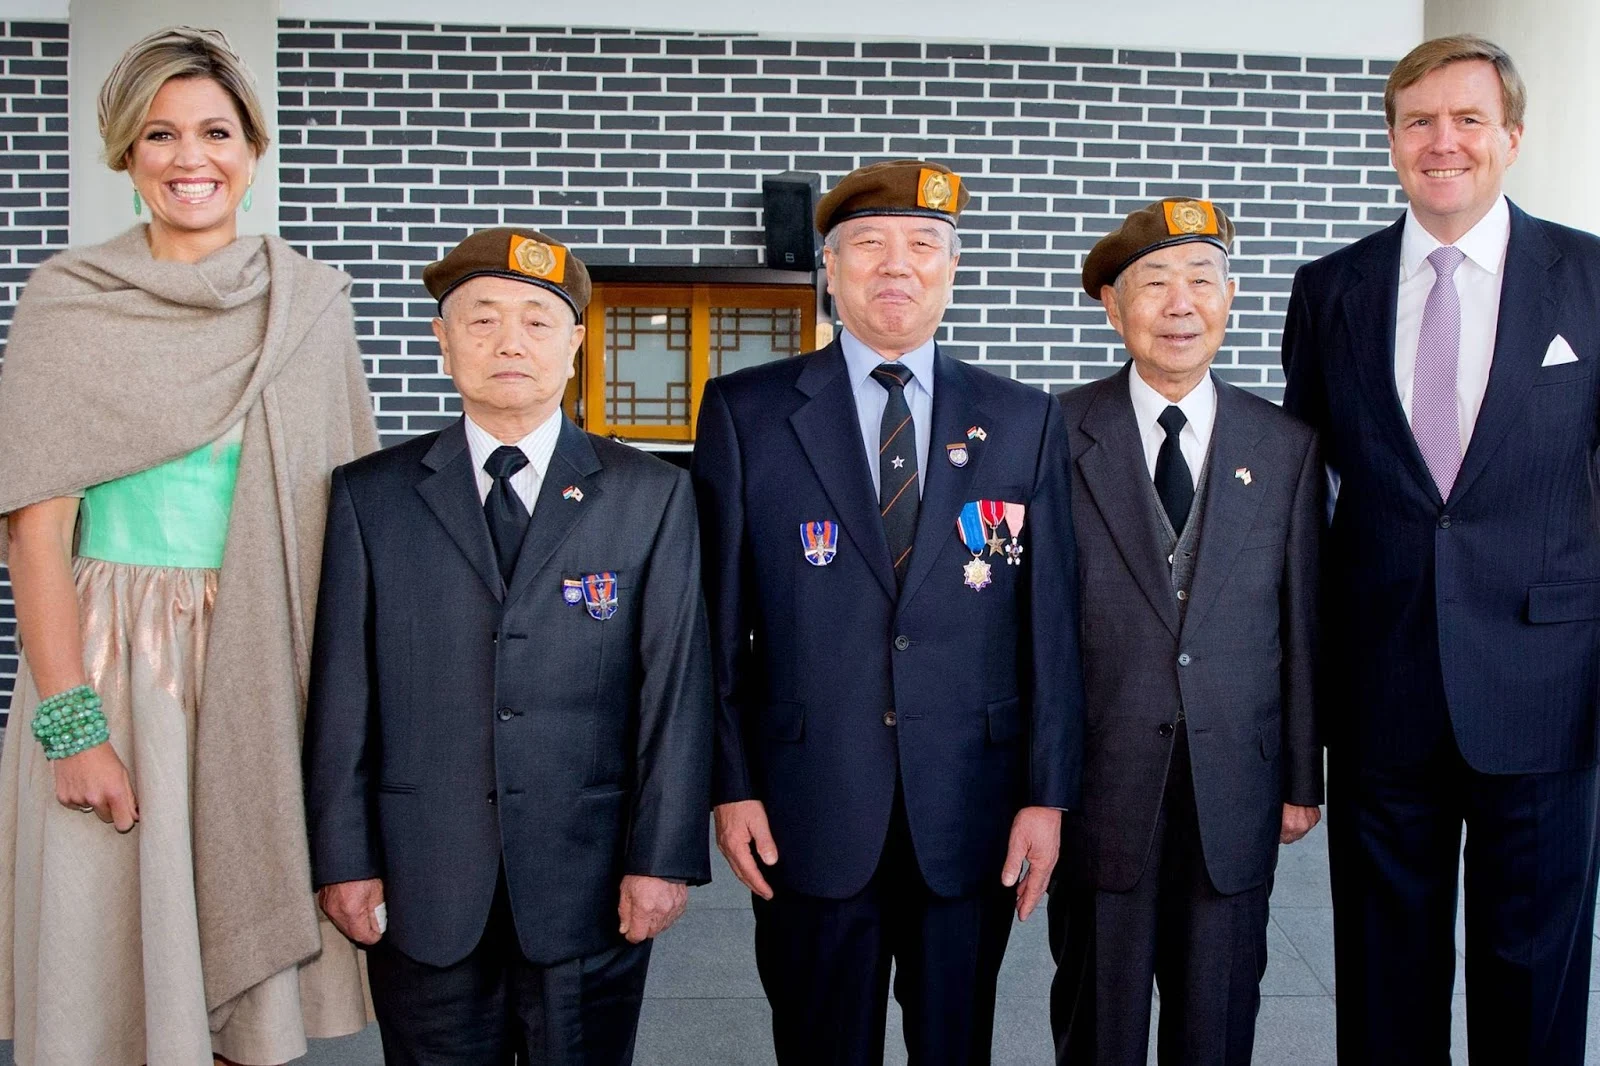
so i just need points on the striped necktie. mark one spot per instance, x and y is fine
(898, 496)
(1435, 421)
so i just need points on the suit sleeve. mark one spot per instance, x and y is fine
(337, 757)
(1304, 393)
(1302, 763)
(1056, 725)
(719, 487)
(672, 762)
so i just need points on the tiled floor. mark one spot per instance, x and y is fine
(704, 1005)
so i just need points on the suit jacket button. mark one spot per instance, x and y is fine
(1183, 594)
(492, 796)
(1444, 522)
(504, 714)
(888, 718)
(902, 642)
(1164, 730)
(1183, 660)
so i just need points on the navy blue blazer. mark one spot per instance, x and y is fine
(1497, 589)
(458, 724)
(831, 687)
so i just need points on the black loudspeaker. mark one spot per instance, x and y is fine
(789, 206)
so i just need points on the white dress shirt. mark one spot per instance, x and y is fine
(538, 446)
(872, 398)
(1199, 407)
(1478, 281)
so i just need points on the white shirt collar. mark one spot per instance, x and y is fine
(1484, 244)
(1199, 407)
(860, 361)
(538, 446)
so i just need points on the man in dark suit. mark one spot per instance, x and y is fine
(1449, 364)
(508, 742)
(1198, 509)
(893, 590)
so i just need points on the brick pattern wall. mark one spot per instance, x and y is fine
(33, 201)
(649, 148)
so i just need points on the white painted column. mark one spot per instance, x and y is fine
(1553, 43)
(101, 30)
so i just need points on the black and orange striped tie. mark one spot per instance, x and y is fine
(898, 495)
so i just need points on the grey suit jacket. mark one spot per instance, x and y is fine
(459, 724)
(1238, 661)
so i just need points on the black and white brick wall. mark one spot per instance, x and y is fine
(649, 148)
(33, 199)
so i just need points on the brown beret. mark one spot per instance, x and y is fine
(1175, 220)
(519, 254)
(896, 187)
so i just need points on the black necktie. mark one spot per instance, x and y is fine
(898, 498)
(1174, 484)
(508, 518)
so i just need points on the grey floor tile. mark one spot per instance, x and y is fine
(708, 954)
(1295, 1030)
(1028, 967)
(1287, 973)
(705, 1032)
(1310, 931)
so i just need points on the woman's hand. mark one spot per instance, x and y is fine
(97, 779)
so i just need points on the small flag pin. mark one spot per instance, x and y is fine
(977, 433)
(573, 493)
(1243, 474)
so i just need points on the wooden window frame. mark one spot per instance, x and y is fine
(699, 299)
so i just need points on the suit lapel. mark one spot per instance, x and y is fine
(830, 435)
(946, 486)
(451, 492)
(573, 464)
(1369, 308)
(1527, 309)
(1231, 505)
(1115, 473)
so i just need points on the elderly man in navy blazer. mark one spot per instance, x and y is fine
(1450, 364)
(893, 591)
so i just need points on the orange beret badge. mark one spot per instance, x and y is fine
(938, 191)
(1190, 216)
(537, 259)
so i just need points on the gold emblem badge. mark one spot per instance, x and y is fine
(547, 261)
(938, 191)
(1190, 216)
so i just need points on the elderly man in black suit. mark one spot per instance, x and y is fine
(508, 744)
(1197, 508)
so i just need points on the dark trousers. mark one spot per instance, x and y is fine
(1394, 842)
(824, 964)
(494, 1007)
(1205, 951)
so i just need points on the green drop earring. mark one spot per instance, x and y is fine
(249, 196)
(138, 204)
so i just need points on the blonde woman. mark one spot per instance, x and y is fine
(171, 406)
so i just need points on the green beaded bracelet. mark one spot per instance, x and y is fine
(70, 722)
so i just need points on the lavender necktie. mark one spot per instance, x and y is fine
(1434, 421)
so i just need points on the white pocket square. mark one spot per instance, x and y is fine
(1559, 352)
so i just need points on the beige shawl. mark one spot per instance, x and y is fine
(118, 362)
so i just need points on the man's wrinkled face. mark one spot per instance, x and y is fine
(1171, 308)
(1451, 147)
(509, 346)
(891, 277)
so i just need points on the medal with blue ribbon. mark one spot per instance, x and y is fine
(970, 526)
